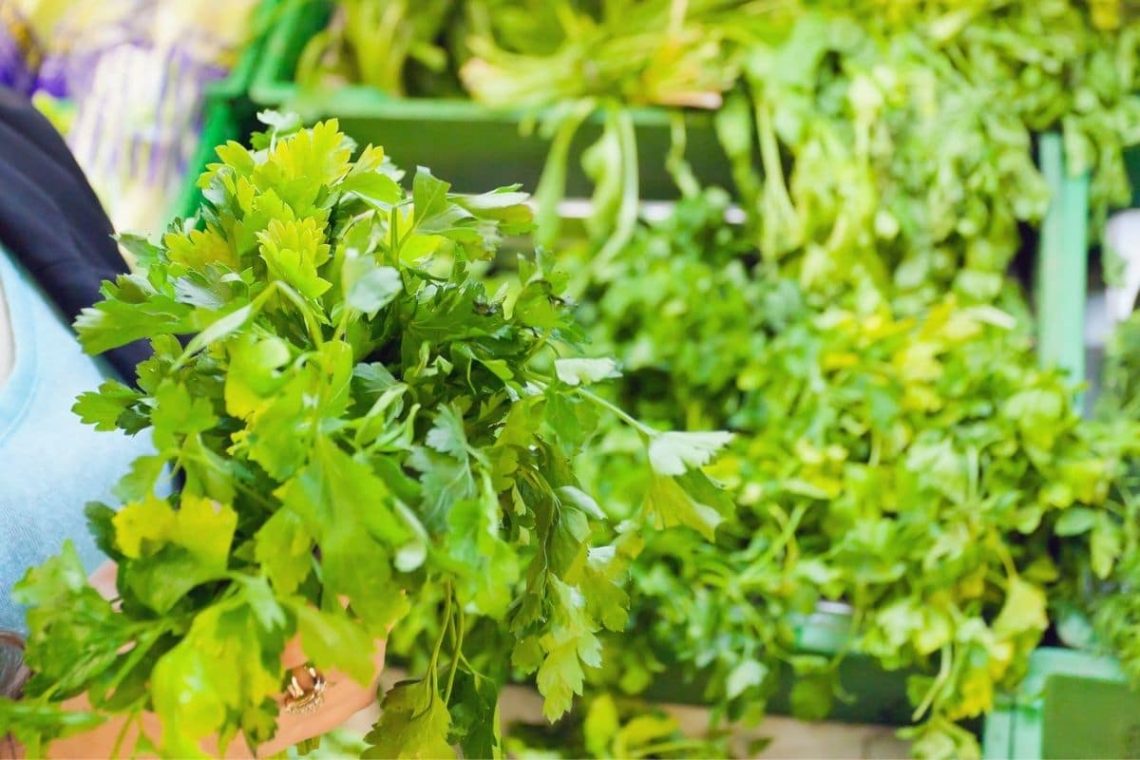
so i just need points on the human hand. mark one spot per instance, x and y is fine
(343, 698)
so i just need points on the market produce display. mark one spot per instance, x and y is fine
(922, 470)
(375, 420)
(1115, 605)
(894, 139)
(376, 44)
(353, 417)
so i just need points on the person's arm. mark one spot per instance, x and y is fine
(7, 352)
(343, 698)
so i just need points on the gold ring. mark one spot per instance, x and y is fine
(300, 700)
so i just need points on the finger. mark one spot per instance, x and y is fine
(294, 654)
(105, 580)
(343, 698)
(381, 645)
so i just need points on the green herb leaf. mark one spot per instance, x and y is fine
(675, 453)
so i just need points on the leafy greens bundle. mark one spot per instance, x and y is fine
(881, 140)
(922, 470)
(1115, 604)
(910, 136)
(355, 424)
(377, 43)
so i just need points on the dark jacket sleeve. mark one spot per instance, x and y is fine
(51, 220)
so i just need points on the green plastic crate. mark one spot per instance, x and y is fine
(874, 695)
(227, 113)
(1072, 704)
(219, 125)
(1061, 285)
(1132, 166)
(474, 146)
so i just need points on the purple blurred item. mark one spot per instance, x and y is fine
(80, 39)
(135, 127)
(136, 74)
(19, 52)
(52, 76)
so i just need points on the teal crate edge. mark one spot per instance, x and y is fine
(1014, 729)
(825, 631)
(1062, 262)
(1050, 661)
(997, 735)
(880, 694)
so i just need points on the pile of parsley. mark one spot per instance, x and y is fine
(1114, 602)
(896, 139)
(350, 423)
(923, 470)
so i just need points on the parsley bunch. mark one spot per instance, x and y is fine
(1112, 603)
(895, 139)
(922, 470)
(353, 423)
(379, 43)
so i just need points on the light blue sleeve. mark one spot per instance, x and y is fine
(51, 464)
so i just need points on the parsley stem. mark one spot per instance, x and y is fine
(617, 411)
(395, 242)
(306, 313)
(457, 632)
(939, 683)
(619, 122)
(470, 668)
(787, 536)
(122, 735)
(341, 327)
(1002, 551)
(658, 749)
(442, 631)
(638, 425)
(253, 495)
